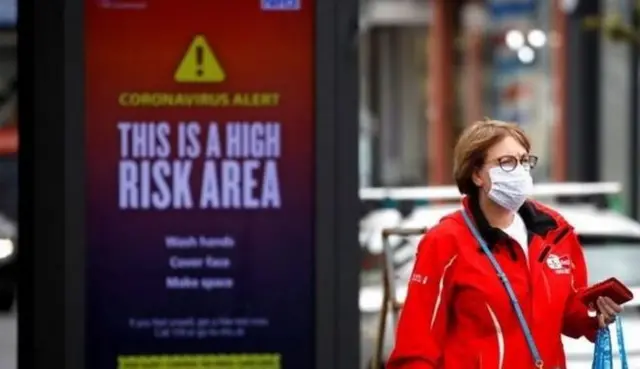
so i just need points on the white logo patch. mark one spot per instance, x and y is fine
(559, 264)
(417, 278)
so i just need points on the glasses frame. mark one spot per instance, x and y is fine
(527, 161)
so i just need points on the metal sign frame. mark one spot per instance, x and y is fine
(337, 202)
(51, 235)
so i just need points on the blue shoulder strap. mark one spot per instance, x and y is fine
(507, 286)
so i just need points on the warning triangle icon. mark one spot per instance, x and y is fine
(199, 64)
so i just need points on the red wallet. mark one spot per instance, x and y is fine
(611, 288)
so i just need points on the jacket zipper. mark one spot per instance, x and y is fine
(530, 283)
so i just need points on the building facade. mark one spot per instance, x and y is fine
(428, 68)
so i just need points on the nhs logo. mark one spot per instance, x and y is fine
(280, 5)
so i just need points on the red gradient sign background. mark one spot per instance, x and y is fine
(169, 273)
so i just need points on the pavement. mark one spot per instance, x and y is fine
(8, 340)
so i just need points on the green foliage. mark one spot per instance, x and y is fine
(615, 28)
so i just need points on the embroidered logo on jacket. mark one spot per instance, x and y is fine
(417, 278)
(559, 264)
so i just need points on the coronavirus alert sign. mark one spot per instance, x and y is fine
(198, 64)
(199, 185)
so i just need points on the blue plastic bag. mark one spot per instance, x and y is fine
(602, 352)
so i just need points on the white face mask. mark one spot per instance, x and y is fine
(510, 189)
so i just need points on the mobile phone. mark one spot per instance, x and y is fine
(611, 288)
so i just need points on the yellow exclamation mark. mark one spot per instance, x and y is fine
(199, 64)
(199, 61)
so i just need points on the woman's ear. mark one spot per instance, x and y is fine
(477, 178)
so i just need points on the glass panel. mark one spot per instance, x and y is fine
(519, 73)
(396, 106)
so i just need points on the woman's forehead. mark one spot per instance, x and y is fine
(507, 146)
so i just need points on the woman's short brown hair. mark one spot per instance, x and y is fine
(472, 146)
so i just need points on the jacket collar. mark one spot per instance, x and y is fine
(536, 221)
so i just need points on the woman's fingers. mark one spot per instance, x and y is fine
(608, 310)
(609, 302)
(604, 308)
(601, 321)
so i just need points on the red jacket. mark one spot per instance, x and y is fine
(457, 314)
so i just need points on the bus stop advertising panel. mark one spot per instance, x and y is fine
(200, 184)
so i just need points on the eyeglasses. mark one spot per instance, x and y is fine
(509, 162)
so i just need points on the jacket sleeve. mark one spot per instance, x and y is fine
(422, 326)
(577, 322)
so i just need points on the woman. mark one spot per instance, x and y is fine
(458, 313)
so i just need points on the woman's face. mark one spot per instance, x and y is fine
(506, 154)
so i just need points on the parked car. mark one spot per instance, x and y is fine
(611, 243)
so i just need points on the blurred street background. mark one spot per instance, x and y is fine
(428, 68)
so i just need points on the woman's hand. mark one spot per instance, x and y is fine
(607, 311)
